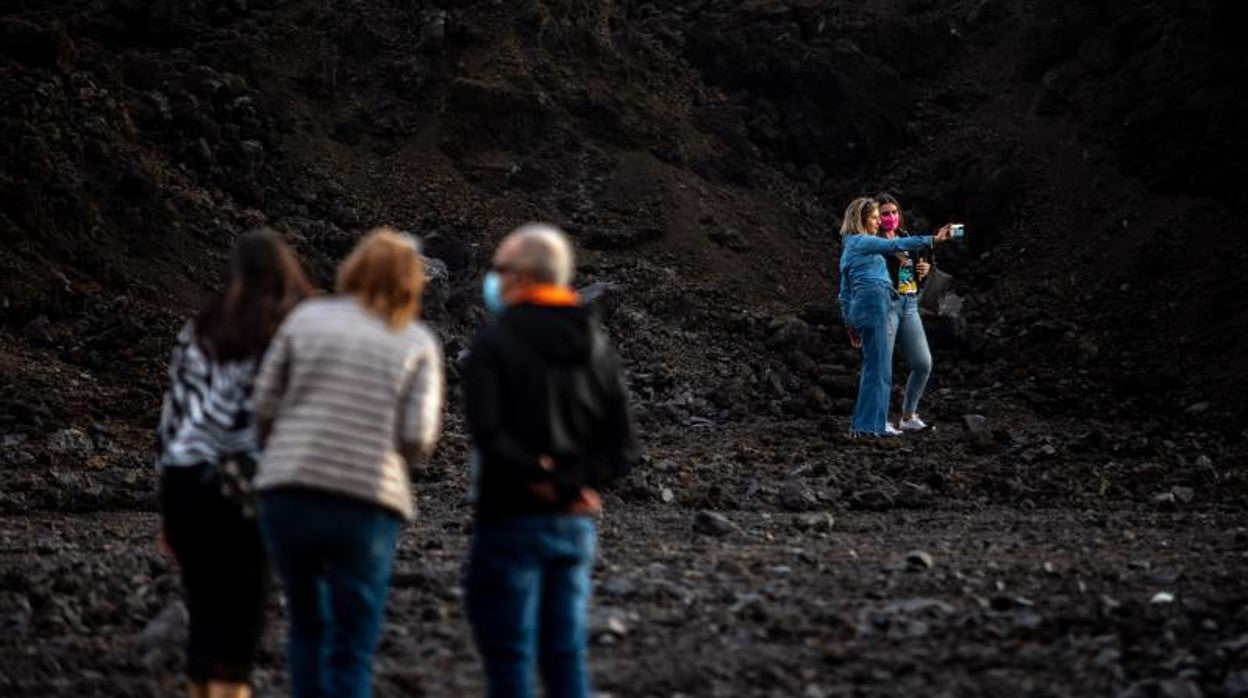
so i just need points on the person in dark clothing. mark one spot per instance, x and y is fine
(208, 447)
(547, 408)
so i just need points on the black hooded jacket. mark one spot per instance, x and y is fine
(544, 380)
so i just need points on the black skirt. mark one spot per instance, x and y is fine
(225, 575)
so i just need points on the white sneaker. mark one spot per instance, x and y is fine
(890, 430)
(912, 424)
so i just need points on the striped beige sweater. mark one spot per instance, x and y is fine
(350, 402)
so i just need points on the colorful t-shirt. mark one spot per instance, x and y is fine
(907, 282)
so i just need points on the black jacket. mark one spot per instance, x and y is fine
(544, 380)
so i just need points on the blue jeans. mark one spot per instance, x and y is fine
(869, 314)
(334, 556)
(527, 587)
(906, 327)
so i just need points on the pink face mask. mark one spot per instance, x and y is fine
(889, 221)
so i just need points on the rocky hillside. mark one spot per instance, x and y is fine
(1088, 451)
(699, 152)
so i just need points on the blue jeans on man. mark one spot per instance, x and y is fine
(906, 327)
(334, 556)
(527, 589)
(869, 316)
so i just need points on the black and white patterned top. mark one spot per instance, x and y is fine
(207, 409)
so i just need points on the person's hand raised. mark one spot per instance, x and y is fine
(942, 235)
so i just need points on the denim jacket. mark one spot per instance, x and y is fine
(863, 266)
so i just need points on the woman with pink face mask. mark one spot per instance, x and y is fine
(867, 297)
(905, 328)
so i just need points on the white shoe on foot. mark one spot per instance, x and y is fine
(890, 430)
(912, 424)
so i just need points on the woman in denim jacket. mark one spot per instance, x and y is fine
(867, 297)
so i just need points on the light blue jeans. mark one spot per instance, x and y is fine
(905, 327)
(870, 315)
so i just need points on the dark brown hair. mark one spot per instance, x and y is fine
(387, 274)
(265, 283)
(886, 198)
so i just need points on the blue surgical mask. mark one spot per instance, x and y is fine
(492, 293)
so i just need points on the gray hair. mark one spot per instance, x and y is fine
(544, 252)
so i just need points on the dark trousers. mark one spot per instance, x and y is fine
(334, 556)
(527, 590)
(224, 574)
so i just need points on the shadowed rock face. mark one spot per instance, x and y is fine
(701, 153)
(142, 136)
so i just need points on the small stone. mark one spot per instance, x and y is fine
(711, 523)
(872, 500)
(1028, 620)
(437, 272)
(729, 238)
(39, 331)
(821, 522)
(1165, 500)
(1184, 495)
(168, 629)
(1203, 461)
(617, 586)
(1198, 407)
(796, 496)
(1236, 683)
(978, 428)
(666, 465)
(70, 441)
(666, 495)
(1000, 603)
(1178, 688)
(15, 613)
(602, 297)
(919, 560)
(433, 32)
(975, 422)
(787, 331)
(16, 456)
(607, 621)
(915, 607)
(1108, 656)
(1162, 597)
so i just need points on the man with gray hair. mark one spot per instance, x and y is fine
(547, 408)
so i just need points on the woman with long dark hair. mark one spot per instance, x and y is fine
(907, 270)
(208, 449)
(867, 297)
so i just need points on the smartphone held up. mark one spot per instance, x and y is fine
(957, 230)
